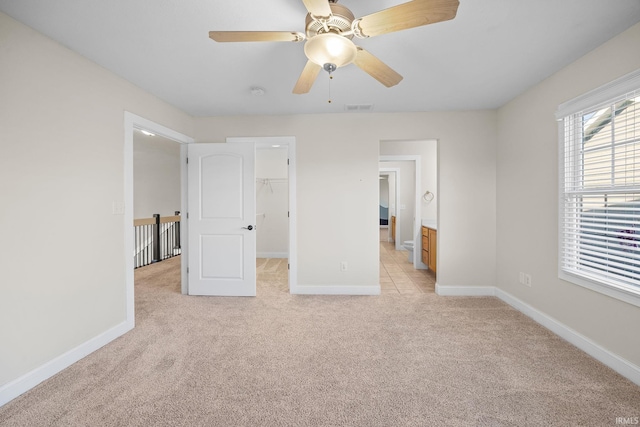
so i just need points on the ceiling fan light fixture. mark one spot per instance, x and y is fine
(330, 48)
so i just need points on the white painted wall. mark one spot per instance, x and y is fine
(62, 256)
(428, 152)
(156, 176)
(407, 192)
(341, 171)
(272, 202)
(61, 131)
(527, 201)
(391, 178)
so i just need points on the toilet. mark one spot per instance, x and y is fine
(408, 245)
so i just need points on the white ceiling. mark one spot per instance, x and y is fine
(491, 52)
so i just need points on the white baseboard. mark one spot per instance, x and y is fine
(31, 379)
(465, 291)
(335, 290)
(615, 362)
(272, 255)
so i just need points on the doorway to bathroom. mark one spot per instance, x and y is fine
(408, 190)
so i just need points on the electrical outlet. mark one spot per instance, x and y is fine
(344, 266)
(524, 279)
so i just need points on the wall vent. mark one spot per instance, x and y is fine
(358, 108)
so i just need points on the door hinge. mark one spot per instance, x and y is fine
(288, 266)
(287, 214)
(287, 161)
(187, 160)
(187, 215)
(187, 270)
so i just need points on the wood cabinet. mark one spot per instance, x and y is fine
(429, 247)
(393, 228)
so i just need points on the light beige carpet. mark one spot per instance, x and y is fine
(282, 360)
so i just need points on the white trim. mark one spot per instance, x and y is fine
(629, 297)
(465, 291)
(290, 143)
(336, 290)
(617, 363)
(31, 379)
(132, 122)
(184, 224)
(20, 385)
(272, 255)
(627, 83)
(605, 93)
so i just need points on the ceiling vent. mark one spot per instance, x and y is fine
(358, 108)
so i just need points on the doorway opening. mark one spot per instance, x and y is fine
(133, 124)
(402, 263)
(389, 202)
(275, 174)
(418, 196)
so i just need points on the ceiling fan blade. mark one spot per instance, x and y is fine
(256, 36)
(307, 78)
(376, 68)
(408, 15)
(318, 8)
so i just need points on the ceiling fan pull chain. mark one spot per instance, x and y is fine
(330, 68)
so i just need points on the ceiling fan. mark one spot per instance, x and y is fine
(330, 28)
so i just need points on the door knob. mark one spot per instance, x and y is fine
(248, 228)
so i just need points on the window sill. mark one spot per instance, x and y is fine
(630, 296)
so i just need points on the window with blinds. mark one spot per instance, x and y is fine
(600, 192)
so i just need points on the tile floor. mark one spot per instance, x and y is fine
(397, 275)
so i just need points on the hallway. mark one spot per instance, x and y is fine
(397, 274)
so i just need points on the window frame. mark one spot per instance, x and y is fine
(608, 92)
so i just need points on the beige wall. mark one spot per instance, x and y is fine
(272, 203)
(407, 196)
(339, 168)
(156, 176)
(428, 167)
(62, 167)
(428, 152)
(527, 201)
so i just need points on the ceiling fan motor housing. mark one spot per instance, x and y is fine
(339, 22)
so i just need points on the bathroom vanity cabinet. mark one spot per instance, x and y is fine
(429, 247)
(393, 228)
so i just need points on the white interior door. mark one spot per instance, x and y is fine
(222, 215)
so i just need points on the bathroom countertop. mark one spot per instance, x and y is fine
(430, 223)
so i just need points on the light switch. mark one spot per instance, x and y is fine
(118, 208)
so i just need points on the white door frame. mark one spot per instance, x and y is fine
(132, 123)
(290, 143)
(396, 201)
(417, 221)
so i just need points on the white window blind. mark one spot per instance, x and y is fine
(600, 192)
